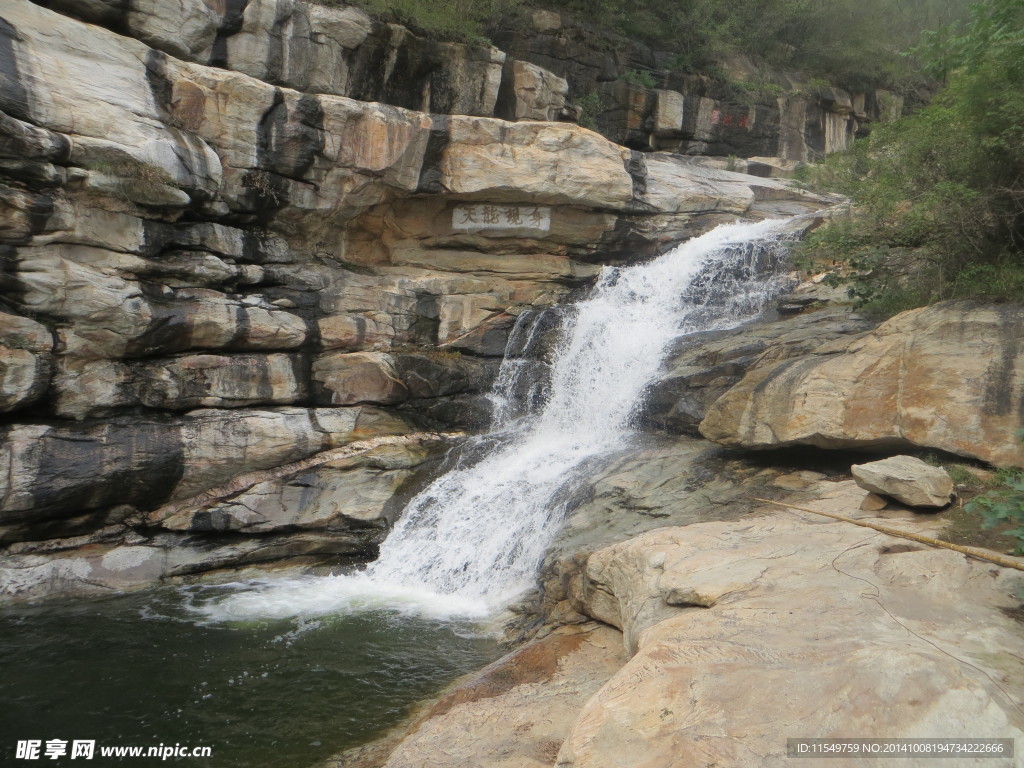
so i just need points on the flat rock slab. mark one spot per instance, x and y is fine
(750, 632)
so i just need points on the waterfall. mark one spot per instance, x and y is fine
(473, 539)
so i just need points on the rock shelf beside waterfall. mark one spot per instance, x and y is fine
(740, 634)
(949, 376)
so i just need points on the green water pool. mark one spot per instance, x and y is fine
(139, 670)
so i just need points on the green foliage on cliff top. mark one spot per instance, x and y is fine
(939, 195)
(856, 42)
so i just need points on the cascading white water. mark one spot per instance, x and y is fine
(474, 538)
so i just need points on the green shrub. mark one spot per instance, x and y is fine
(590, 106)
(639, 77)
(757, 90)
(467, 21)
(1004, 506)
(856, 42)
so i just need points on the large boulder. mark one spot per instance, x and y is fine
(949, 376)
(906, 479)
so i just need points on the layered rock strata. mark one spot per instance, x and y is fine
(629, 92)
(635, 96)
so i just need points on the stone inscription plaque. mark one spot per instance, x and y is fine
(476, 218)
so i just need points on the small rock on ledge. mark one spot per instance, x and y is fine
(906, 479)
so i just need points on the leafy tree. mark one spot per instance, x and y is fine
(947, 181)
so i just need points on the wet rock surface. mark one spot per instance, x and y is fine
(323, 511)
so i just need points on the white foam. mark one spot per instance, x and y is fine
(306, 597)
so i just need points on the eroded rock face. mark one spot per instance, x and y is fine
(906, 479)
(533, 93)
(26, 361)
(224, 229)
(949, 376)
(748, 633)
(62, 471)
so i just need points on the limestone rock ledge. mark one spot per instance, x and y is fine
(745, 634)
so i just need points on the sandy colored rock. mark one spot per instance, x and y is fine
(542, 163)
(906, 479)
(359, 377)
(366, 331)
(949, 376)
(748, 633)
(537, 93)
(873, 503)
(706, 365)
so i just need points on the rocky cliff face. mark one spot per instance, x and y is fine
(636, 97)
(210, 271)
(552, 67)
